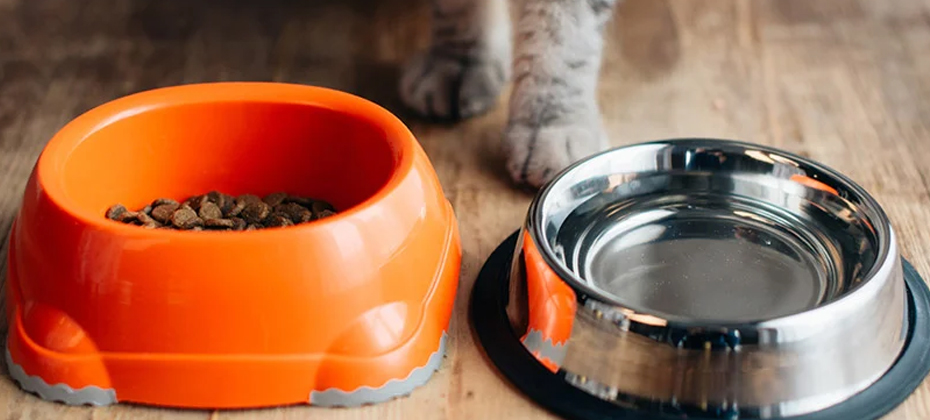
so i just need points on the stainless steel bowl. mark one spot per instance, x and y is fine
(712, 275)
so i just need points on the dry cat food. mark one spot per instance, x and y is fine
(218, 211)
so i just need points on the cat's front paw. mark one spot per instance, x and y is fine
(536, 152)
(451, 87)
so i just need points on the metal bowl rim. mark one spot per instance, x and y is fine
(885, 233)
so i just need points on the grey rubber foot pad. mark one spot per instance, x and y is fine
(391, 389)
(89, 395)
(92, 395)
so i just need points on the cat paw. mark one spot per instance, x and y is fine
(537, 152)
(452, 87)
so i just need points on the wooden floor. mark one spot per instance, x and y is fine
(846, 82)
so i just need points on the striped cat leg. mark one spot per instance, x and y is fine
(467, 64)
(554, 118)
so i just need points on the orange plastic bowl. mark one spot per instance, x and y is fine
(343, 311)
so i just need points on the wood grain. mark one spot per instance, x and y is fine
(845, 82)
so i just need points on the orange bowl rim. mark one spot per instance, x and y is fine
(49, 166)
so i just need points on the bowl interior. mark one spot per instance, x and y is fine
(236, 147)
(710, 231)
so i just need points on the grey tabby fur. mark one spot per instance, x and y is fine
(554, 118)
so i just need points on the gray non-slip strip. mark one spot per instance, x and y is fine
(391, 389)
(329, 398)
(59, 392)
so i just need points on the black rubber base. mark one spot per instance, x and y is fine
(488, 303)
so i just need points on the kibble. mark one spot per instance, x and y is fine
(277, 220)
(238, 224)
(147, 221)
(275, 199)
(295, 212)
(218, 211)
(219, 223)
(194, 202)
(116, 211)
(237, 209)
(128, 217)
(163, 212)
(255, 212)
(224, 202)
(185, 218)
(164, 201)
(210, 210)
